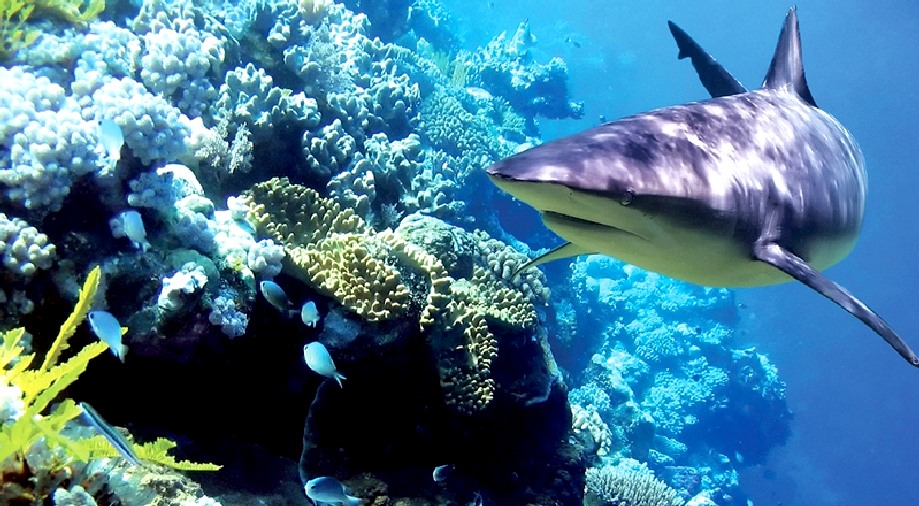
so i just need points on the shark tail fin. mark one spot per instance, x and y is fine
(787, 67)
(716, 80)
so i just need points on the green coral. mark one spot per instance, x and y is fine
(14, 14)
(71, 11)
(14, 33)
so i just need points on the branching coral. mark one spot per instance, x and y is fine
(628, 485)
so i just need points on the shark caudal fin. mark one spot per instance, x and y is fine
(787, 67)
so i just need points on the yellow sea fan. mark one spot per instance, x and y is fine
(39, 387)
(87, 295)
(158, 452)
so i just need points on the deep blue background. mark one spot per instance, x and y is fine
(856, 428)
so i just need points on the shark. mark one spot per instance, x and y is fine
(747, 188)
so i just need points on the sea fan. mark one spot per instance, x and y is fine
(38, 387)
(25, 427)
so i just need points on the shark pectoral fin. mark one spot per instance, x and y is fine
(789, 263)
(564, 251)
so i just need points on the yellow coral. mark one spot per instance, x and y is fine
(332, 250)
(15, 34)
(329, 248)
(341, 266)
(295, 215)
(40, 386)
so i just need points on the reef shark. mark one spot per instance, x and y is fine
(748, 188)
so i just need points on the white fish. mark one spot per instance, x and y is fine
(326, 490)
(277, 297)
(111, 138)
(441, 472)
(108, 330)
(318, 359)
(132, 224)
(309, 314)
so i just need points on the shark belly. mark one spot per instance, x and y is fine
(695, 256)
(707, 252)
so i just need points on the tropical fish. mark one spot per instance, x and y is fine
(132, 224)
(111, 138)
(108, 330)
(277, 297)
(442, 472)
(326, 490)
(309, 314)
(92, 418)
(750, 188)
(318, 359)
(477, 499)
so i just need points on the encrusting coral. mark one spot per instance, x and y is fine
(389, 274)
(36, 453)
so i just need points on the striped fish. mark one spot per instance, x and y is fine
(92, 417)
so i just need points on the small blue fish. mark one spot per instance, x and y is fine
(277, 297)
(477, 499)
(108, 330)
(92, 418)
(132, 224)
(111, 138)
(309, 314)
(326, 490)
(442, 472)
(318, 359)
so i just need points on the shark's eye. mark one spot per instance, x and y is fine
(627, 196)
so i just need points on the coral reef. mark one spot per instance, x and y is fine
(336, 149)
(40, 455)
(628, 484)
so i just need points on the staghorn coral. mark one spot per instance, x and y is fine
(628, 484)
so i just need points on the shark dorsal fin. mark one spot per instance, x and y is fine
(787, 69)
(718, 81)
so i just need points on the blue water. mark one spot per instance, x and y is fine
(854, 436)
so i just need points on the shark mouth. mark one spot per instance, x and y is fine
(553, 219)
